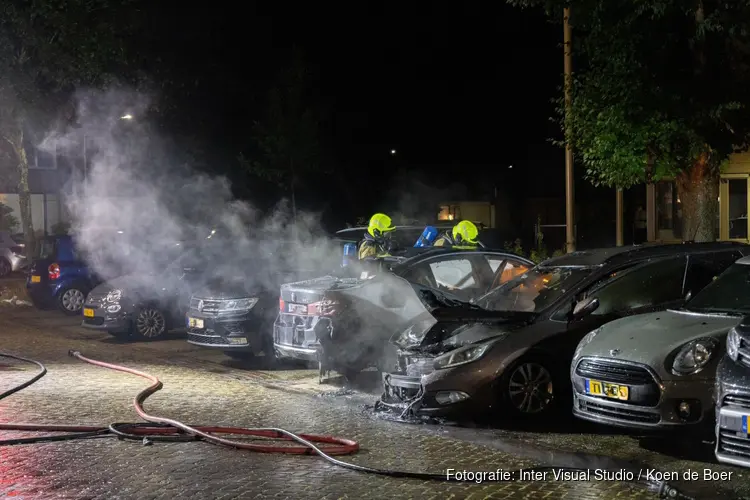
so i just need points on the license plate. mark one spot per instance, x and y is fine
(195, 323)
(89, 313)
(613, 391)
(297, 308)
(36, 279)
(238, 341)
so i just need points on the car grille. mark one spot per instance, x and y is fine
(744, 351)
(416, 367)
(733, 443)
(627, 414)
(205, 339)
(205, 306)
(644, 389)
(736, 400)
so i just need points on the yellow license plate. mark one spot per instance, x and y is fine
(36, 279)
(613, 391)
(238, 341)
(195, 323)
(89, 313)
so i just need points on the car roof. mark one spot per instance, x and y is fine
(618, 255)
(411, 255)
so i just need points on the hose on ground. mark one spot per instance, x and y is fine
(157, 429)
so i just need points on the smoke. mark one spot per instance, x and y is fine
(416, 197)
(140, 205)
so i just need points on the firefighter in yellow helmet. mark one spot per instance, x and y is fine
(377, 240)
(465, 236)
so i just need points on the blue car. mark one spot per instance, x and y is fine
(59, 277)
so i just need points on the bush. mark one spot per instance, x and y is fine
(8, 221)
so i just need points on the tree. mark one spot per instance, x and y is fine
(662, 89)
(286, 143)
(8, 221)
(46, 50)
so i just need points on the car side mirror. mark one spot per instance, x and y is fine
(585, 307)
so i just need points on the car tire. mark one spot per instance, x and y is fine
(149, 323)
(70, 300)
(5, 267)
(531, 388)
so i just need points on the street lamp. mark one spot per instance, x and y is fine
(393, 151)
(126, 117)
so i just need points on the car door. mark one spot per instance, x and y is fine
(645, 287)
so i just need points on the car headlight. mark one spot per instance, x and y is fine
(114, 296)
(237, 305)
(733, 344)
(463, 355)
(586, 341)
(694, 356)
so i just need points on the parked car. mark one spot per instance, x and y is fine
(657, 370)
(732, 390)
(60, 277)
(146, 307)
(237, 315)
(12, 254)
(513, 353)
(343, 323)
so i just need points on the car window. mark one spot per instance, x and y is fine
(646, 285)
(453, 273)
(509, 270)
(703, 269)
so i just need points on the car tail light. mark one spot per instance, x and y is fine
(282, 305)
(18, 249)
(322, 308)
(54, 271)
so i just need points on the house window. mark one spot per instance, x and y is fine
(449, 212)
(43, 160)
(668, 212)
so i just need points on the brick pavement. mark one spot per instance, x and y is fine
(200, 389)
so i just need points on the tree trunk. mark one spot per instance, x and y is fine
(698, 190)
(15, 139)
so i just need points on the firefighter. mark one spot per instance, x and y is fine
(465, 235)
(444, 240)
(377, 240)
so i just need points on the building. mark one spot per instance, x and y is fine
(663, 208)
(48, 173)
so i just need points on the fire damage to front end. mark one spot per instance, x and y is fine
(439, 369)
(343, 324)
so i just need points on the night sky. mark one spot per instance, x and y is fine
(445, 87)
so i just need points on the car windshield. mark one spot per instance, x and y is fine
(729, 293)
(535, 290)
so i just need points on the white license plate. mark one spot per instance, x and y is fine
(297, 308)
(195, 323)
(238, 341)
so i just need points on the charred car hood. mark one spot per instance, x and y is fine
(128, 284)
(650, 339)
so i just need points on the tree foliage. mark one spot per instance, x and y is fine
(286, 142)
(8, 221)
(46, 50)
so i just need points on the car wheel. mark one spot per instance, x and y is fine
(528, 388)
(150, 323)
(5, 268)
(70, 300)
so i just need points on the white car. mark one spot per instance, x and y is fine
(12, 254)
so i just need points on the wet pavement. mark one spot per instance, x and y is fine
(202, 386)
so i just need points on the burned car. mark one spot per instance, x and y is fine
(657, 370)
(511, 349)
(343, 323)
(145, 306)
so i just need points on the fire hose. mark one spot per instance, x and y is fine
(158, 429)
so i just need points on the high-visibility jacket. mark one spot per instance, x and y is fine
(370, 248)
(444, 240)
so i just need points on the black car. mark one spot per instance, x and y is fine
(512, 349)
(343, 323)
(146, 306)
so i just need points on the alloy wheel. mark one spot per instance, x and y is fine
(530, 388)
(72, 300)
(150, 323)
